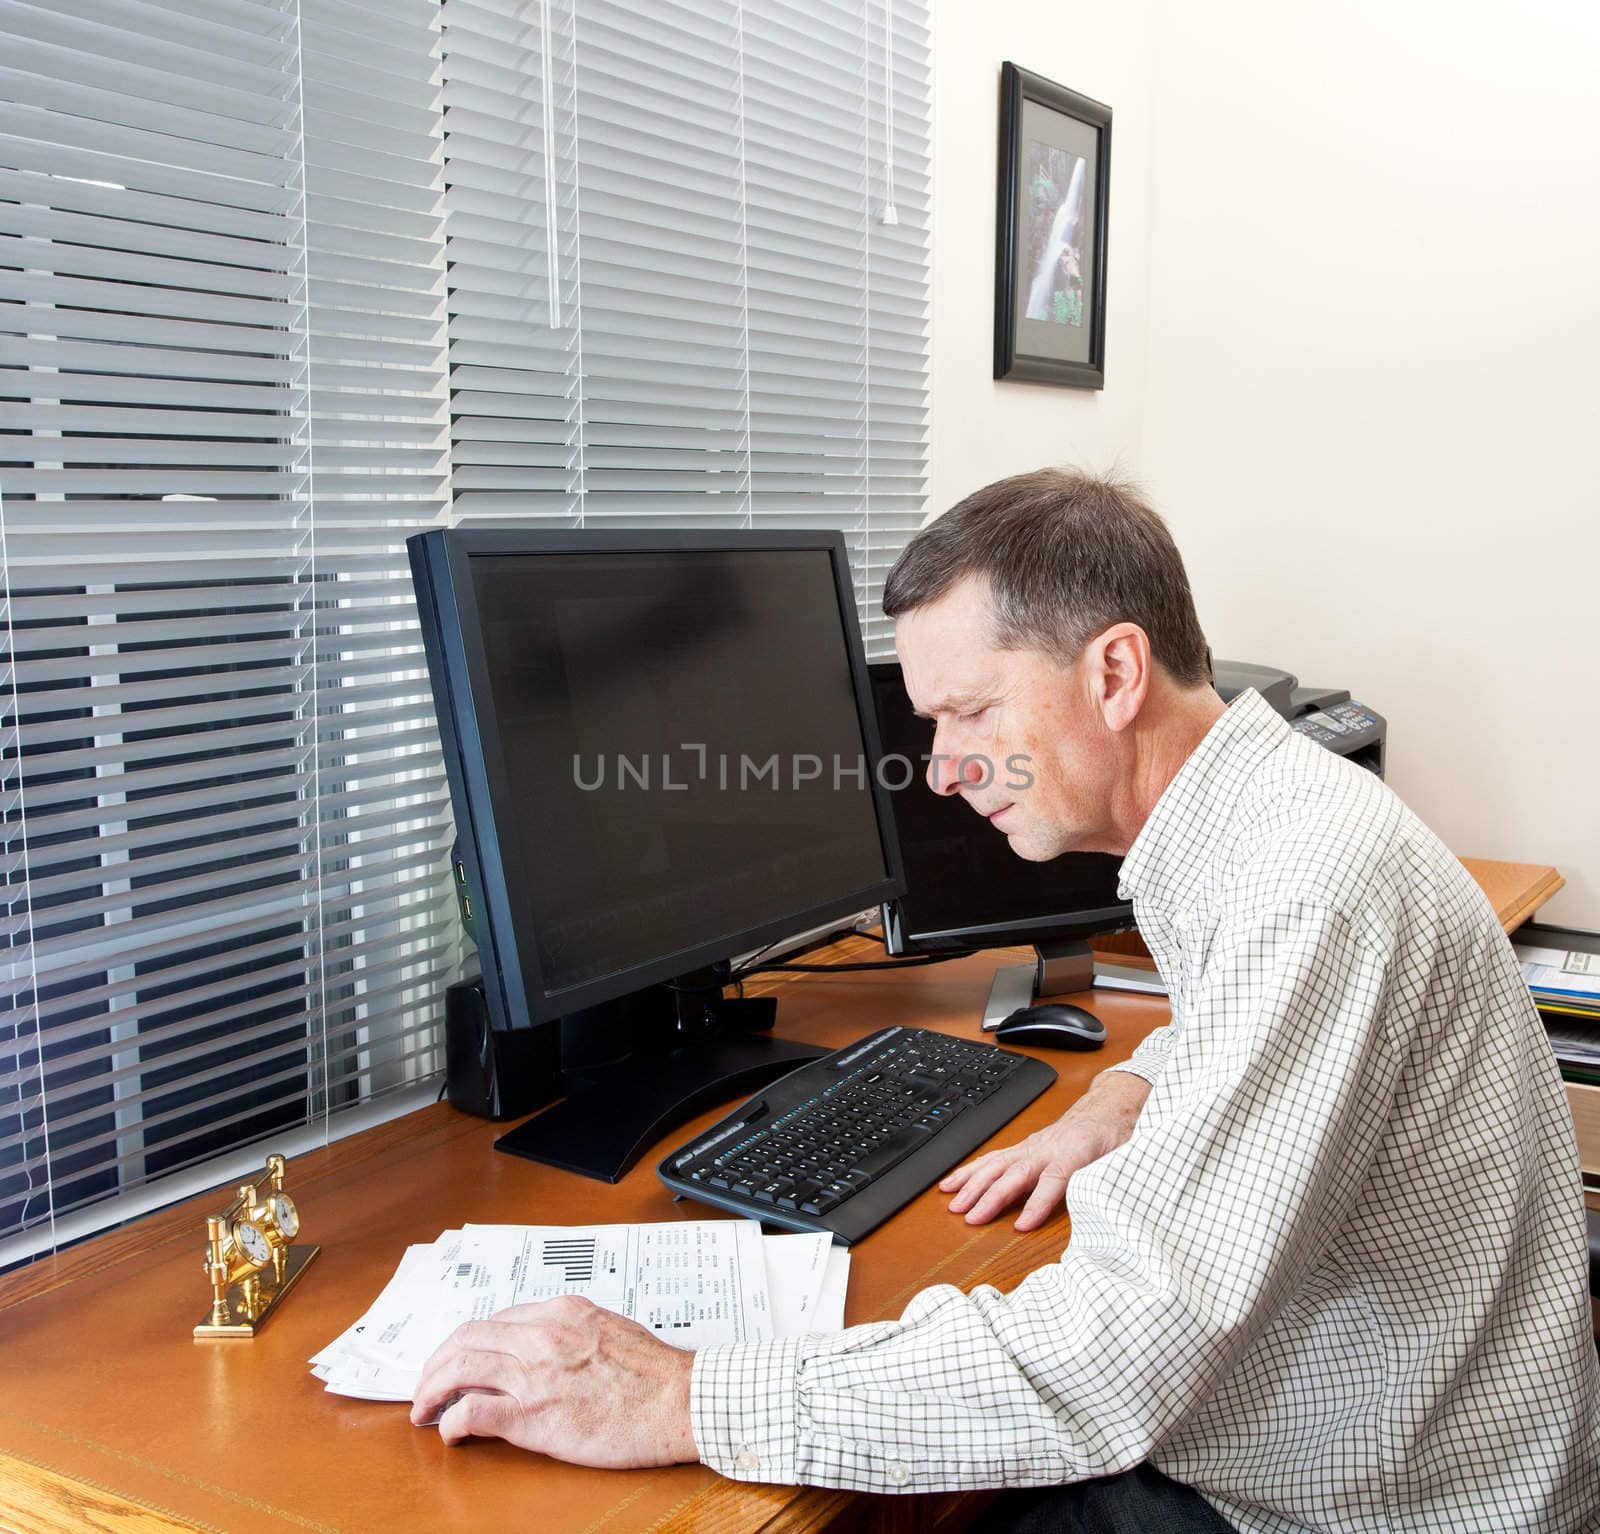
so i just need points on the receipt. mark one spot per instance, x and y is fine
(797, 1269)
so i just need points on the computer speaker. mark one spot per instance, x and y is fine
(496, 1075)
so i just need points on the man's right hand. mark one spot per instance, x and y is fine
(1040, 1165)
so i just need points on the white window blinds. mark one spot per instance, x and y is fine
(687, 257)
(222, 405)
(688, 248)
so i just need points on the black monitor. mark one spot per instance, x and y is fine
(662, 753)
(966, 888)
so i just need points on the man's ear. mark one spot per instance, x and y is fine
(1117, 663)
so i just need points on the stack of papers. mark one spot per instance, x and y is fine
(694, 1285)
(1566, 988)
(1562, 981)
(1574, 1046)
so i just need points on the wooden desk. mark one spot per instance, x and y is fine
(112, 1417)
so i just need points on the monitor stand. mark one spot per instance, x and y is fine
(681, 1065)
(1057, 969)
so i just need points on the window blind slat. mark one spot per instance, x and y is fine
(157, 38)
(119, 92)
(132, 147)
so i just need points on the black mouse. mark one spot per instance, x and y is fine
(1052, 1025)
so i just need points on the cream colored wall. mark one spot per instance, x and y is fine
(980, 429)
(1371, 408)
(1353, 335)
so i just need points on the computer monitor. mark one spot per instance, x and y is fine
(661, 753)
(966, 888)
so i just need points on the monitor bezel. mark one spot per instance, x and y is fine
(514, 981)
(900, 937)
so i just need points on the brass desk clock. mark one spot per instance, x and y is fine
(249, 1260)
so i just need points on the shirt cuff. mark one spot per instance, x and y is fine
(1149, 1060)
(743, 1409)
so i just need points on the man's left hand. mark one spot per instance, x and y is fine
(563, 1378)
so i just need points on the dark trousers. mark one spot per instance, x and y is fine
(1139, 1501)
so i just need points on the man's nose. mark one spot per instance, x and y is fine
(947, 772)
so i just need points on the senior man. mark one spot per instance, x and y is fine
(1327, 1265)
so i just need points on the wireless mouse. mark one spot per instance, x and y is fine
(1052, 1025)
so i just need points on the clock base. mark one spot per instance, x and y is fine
(241, 1322)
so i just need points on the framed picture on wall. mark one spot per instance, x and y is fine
(1050, 251)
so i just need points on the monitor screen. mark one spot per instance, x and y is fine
(670, 723)
(662, 749)
(965, 887)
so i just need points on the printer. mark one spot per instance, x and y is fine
(1330, 716)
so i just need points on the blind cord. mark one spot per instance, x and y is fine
(552, 273)
(891, 214)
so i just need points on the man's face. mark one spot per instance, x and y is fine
(992, 707)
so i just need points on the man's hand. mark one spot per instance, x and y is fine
(1097, 1123)
(564, 1378)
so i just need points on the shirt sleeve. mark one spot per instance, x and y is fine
(1150, 1058)
(1185, 1240)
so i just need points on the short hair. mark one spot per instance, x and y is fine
(1066, 555)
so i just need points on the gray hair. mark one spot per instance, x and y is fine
(1066, 555)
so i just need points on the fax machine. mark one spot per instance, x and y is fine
(1328, 715)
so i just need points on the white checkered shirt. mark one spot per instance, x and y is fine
(1336, 1279)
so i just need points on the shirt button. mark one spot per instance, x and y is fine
(899, 1474)
(746, 1459)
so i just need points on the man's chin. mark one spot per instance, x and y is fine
(1030, 846)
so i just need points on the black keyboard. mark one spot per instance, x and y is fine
(844, 1142)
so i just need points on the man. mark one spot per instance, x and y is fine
(1327, 1258)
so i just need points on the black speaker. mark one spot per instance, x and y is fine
(496, 1075)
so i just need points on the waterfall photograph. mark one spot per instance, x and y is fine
(1055, 255)
(1051, 214)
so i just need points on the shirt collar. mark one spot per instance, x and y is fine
(1168, 864)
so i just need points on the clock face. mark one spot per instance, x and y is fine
(251, 1241)
(285, 1215)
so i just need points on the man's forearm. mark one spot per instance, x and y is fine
(1115, 1098)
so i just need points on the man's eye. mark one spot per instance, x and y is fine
(975, 714)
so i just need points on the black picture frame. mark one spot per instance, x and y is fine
(1033, 210)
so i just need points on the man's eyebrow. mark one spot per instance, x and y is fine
(956, 700)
